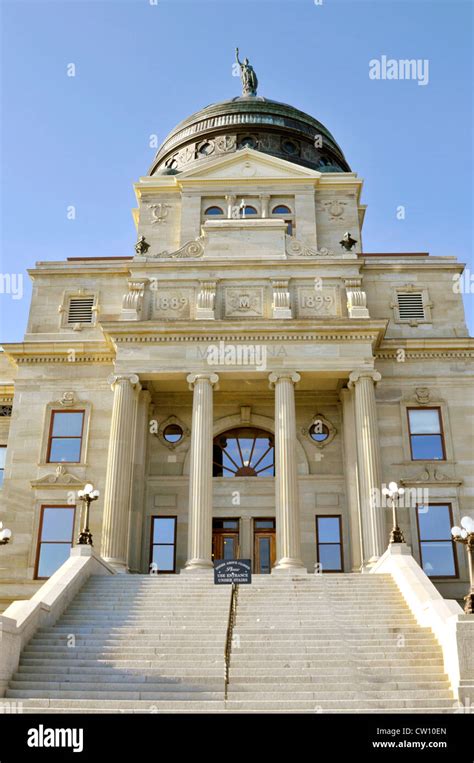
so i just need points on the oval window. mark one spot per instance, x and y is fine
(319, 431)
(173, 433)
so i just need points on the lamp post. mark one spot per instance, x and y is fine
(86, 496)
(393, 493)
(465, 534)
(5, 535)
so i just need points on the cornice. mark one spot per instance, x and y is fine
(403, 263)
(418, 349)
(191, 331)
(59, 352)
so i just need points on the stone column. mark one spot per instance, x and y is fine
(368, 463)
(264, 204)
(288, 541)
(137, 514)
(352, 477)
(200, 475)
(230, 199)
(119, 470)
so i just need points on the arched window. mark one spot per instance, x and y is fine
(281, 210)
(214, 211)
(250, 211)
(244, 452)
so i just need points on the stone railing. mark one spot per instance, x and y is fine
(22, 619)
(453, 629)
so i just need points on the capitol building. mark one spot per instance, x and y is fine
(243, 384)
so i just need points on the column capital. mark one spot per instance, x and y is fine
(363, 373)
(276, 376)
(193, 378)
(132, 379)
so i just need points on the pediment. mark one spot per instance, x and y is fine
(246, 165)
(60, 478)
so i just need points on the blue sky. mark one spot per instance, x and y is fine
(143, 65)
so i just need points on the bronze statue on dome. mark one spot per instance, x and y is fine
(247, 75)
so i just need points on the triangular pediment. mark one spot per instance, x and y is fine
(248, 164)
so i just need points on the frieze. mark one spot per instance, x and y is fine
(317, 302)
(172, 303)
(243, 302)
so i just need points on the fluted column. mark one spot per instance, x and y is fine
(200, 476)
(119, 470)
(288, 541)
(368, 463)
(351, 476)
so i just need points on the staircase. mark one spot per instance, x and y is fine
(318, 644)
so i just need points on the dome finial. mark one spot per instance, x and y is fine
(247, 75)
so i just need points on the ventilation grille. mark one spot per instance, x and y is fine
(410, 306)
(80, 310)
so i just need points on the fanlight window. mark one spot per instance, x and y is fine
(250, 211)
(214, 211)
(244, 452)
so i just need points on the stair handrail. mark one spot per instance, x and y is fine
(230, 634)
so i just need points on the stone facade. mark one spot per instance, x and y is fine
(231, 322)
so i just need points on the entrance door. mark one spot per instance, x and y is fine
(225, 539)
(264, 546)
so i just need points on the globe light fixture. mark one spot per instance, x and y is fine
(393, 493)
(87, 495)
(465, 535)
(5, 535)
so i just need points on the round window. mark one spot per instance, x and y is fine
(206, 149)
(289, 147)
(248, 142)
(173, 433)
(319, 431)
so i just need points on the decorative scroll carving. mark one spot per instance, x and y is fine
(356, 298)
(189, 250)
(295, 248)
(132, 301)
(60, 478)
(281, 305)
(206, 300)
(431, 474)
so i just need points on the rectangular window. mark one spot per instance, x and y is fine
(437, 548)
(163, 544)
(80, 310)
(55, 539)
(329, 543)
(426, 434)
(3, 455)
(65, 437)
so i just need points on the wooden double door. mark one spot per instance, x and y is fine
(226, 545)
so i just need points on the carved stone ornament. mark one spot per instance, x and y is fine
(431, 475)
(172, 421)
(60, 479)
(5, 410)
(68, 399)
(334, 208)
(132, 301)
(159, 212)
(347, 242)
(295, 248)
(422, 395)
(189, 250)
(324, 424)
